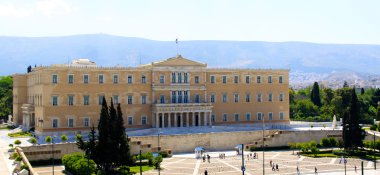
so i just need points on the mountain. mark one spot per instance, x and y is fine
(17, 53)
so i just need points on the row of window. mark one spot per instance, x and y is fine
(247, 79)
(236, 117)
(176, 78)
(86, 99)
(176, 97)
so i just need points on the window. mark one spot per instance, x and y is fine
(86, 100)
(282, 115)
(179, 77)
(224, 79)
(212, 117)
(54, 100)
(101, 78)
(179, 96)
(212, 98)
(247, 98)
(259, 98)
(174, 97)
(70, 122)
(196, 79)
(70, 79)
(236, 79)
(236, 116)
(86, 122)
(259, 116)
(270, 97)
(224, 98)
(143, 99)
(281, 98)
(130, 79)
(270, 115)
(85, 79)
(162, 99)
(115, 79)
(280, 79)
(173, 77)
(197, 98)
(55, 123)
(225, 117)
(258, 80)
(247, 79)
(70, 100)
(185, 97)
(143, 120)
(130, 99)
(236, 98)
(143, 79)
(248, 116)
(100, 99)
(212, 79)
(186, 78)
(54, 78)
(115, 99)
(130, 120)
(270, 79)
(162, 79)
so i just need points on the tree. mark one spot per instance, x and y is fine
(328, 95)
(33, 141)
(378, 113)
(357, 134)
(345, 84)
(122, 139)
(48, 139)
(315, 95)
(64, 138)
(6, 95)
(104, 155)
(362, 91)
(375, 98)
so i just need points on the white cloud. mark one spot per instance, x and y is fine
(9, 10)
(53, 7)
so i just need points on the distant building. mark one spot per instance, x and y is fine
(175, 92)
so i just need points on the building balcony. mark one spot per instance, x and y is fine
(181, 107)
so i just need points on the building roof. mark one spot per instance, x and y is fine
(177, 61)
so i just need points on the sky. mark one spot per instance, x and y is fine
(319, 21)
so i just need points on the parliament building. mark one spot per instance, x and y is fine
(176, 92)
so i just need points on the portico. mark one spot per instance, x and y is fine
(182, 115)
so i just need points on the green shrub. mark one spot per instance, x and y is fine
(64, 138)
(333, 142)
(164, 154)
(48, 139)
(33, 141)
(20, 134)
(157, 161)
(325, 142)
(76, 163)
(24, 167)
(18, 158)
(252, 148)
(14, 155)
(373, 128)
(17, 142)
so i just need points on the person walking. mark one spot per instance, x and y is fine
(315, 170)
(277, 167)
(208, 158)
(206, 173)
(298, 170)
(273, 167)
(270, 162)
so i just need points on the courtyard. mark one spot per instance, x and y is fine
(287, 163)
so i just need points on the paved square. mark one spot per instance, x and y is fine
(287, 163)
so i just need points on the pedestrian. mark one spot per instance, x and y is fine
(273, 167)
(298, 170)
(316, 170)
(208, 158)
(277, 167)
(206, 173)
(355, 168)
(204, 158)
(270, 162)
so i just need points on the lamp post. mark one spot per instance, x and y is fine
(52, 151)
(263, 144)
(158, 150)
(242, 159)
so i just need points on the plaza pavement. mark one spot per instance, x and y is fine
(231, 165)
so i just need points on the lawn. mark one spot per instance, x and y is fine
(20, 134)
(136, 169)
(368, 156)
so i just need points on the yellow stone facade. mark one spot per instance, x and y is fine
(176, 92)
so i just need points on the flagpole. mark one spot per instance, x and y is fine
(176, 42)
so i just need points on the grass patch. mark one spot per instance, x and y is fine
(20, 134)
(136, 169)
(368, 155)
(366, 128)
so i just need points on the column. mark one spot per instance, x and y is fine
(187, 119)
(157, 120)
(163, 120)
(193, 118)
(181, 119)
(175, 120)
(169, 121)
(199, 119)
(210, 118)
(205, 118)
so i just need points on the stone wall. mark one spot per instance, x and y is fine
(43, 152)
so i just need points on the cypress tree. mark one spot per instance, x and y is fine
(103, 153)
(122, 142)
(345, 84)
(356, 132)
(315, 95)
